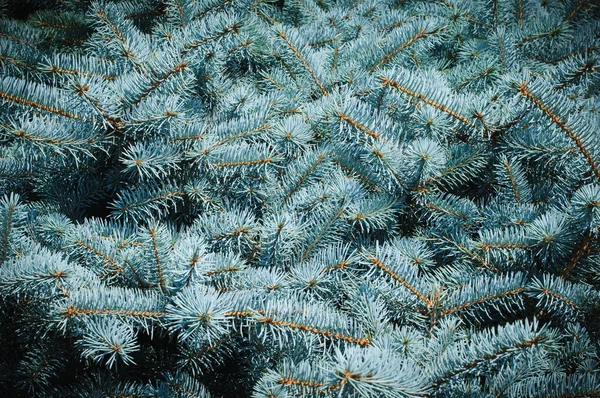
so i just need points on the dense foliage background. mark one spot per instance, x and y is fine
(354, 198)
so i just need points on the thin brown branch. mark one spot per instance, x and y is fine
(522, 88)
(303, 61)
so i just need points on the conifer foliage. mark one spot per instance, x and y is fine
(318, 198)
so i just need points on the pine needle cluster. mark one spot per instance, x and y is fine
(316, 198)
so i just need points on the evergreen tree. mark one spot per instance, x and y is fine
(318, 198)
